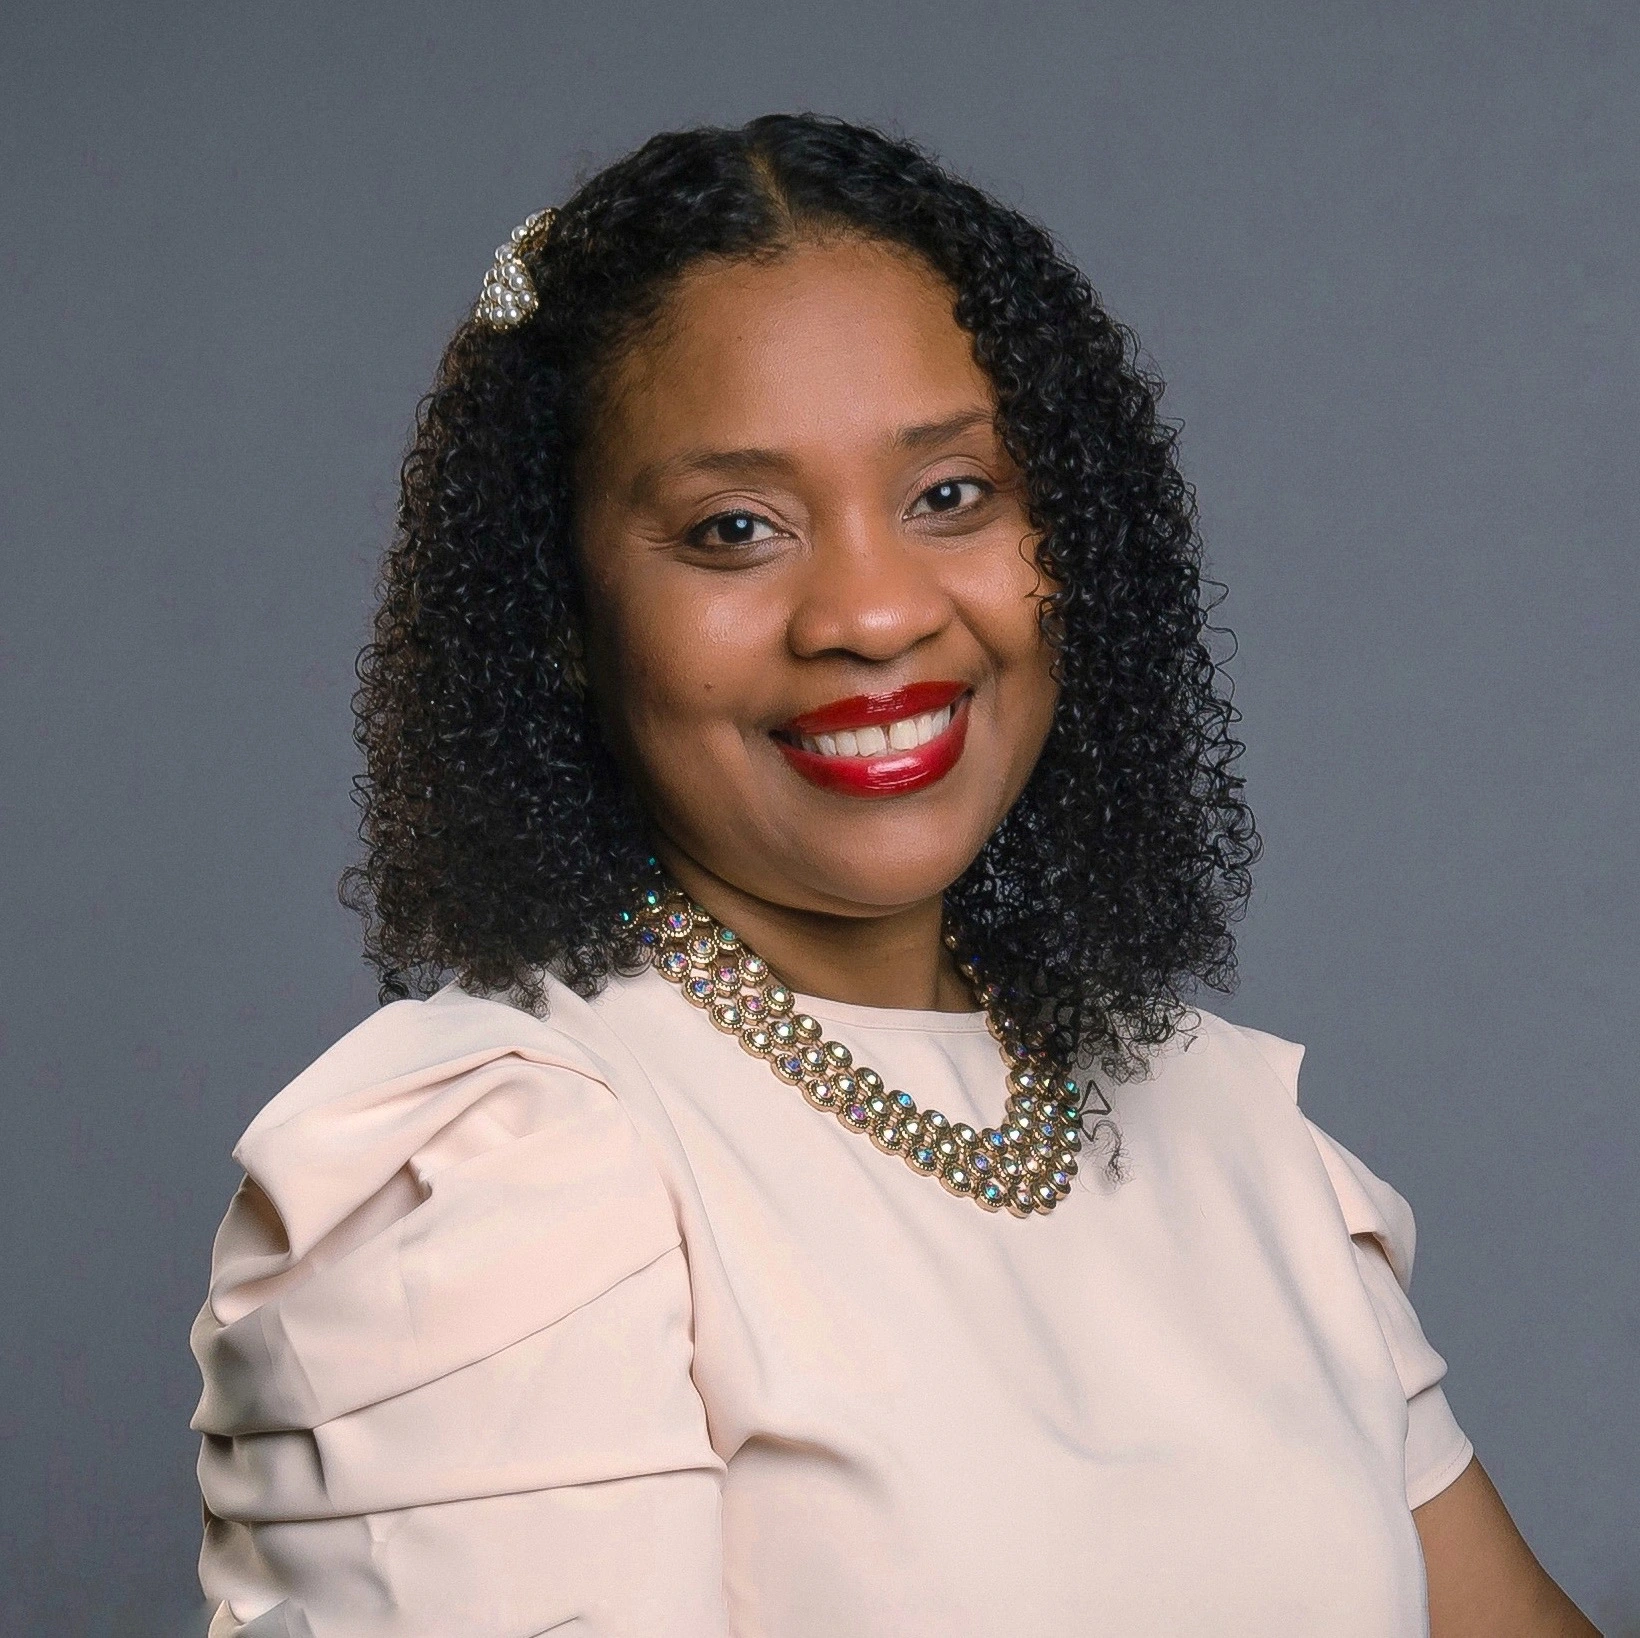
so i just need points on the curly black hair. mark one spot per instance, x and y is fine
(502, 841)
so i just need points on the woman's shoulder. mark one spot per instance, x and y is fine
(1241, 1085)
(451, 1175)
(421, 1085)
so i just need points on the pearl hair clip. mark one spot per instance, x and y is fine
(508, 296)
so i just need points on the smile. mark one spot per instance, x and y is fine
(880, 744)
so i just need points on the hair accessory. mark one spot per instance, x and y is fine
(508, 296)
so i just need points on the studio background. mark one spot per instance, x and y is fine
(1385, 256)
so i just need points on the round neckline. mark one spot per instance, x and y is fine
(854, 1016)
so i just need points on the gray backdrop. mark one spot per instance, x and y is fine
(1386, 257)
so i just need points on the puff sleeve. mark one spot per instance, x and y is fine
(446, 1359)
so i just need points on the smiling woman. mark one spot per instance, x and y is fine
(797, 777)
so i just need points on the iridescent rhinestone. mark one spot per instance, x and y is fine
(886, 1134)
(822, 1094)
(1025, 1164)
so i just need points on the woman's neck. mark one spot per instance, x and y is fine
(895, 959)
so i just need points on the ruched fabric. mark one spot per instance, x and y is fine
(447, 1361)
(588, 1325)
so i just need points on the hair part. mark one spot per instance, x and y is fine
(502, 842)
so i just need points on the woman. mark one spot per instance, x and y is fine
(813, 1208)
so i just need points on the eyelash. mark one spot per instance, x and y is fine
(697, 535)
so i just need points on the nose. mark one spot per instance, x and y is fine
(867, 594)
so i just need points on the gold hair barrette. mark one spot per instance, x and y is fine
(508, 296)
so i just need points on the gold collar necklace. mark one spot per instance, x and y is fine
(1024, 1165)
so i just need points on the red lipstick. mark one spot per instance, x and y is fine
(890, 772)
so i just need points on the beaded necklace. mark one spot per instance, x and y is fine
(1025, 1165)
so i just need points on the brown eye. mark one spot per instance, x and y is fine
(731, 529)
(951, 496)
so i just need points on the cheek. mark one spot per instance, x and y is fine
(677, 662)
(1002, 601)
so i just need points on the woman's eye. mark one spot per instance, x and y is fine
(732, 529)
(951, 496)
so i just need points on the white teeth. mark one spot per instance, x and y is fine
(933, 724)
(905, 735)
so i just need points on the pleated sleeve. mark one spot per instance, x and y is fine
(446, 1360)
(1383, 1237)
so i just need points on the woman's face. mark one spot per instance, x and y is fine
(812, 625)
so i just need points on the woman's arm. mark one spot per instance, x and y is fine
(1483, 1580)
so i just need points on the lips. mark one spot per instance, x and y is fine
(886, 744)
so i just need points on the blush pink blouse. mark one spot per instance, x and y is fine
(589, 1325)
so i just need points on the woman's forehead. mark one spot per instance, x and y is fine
(845, 340)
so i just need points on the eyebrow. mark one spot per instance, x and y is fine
(736, 463)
